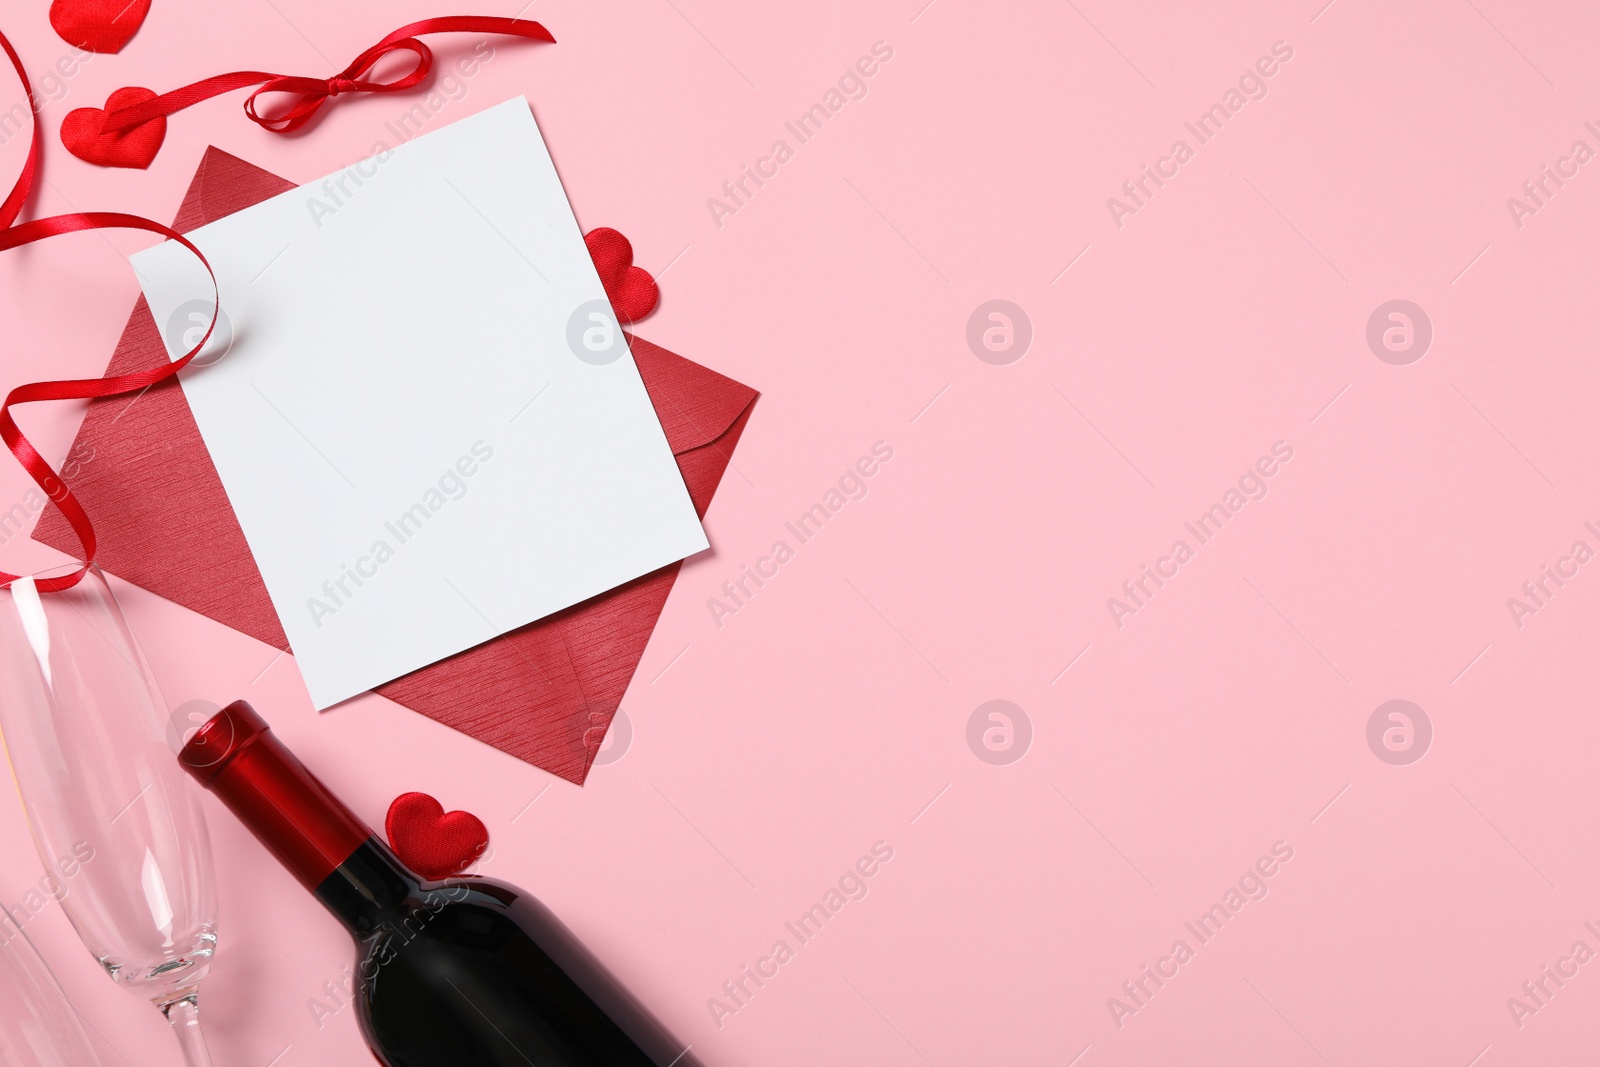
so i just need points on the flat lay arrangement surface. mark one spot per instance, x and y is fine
(877, 533)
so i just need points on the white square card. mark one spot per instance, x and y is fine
(428, 422)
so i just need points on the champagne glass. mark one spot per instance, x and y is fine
(86, 735)
(38, 1027)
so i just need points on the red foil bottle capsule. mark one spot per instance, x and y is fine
(467, 970)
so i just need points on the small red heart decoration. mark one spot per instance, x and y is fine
(81, 133)
(632, 291)
(98, 25)
(434, 843)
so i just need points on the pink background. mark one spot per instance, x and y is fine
(831, 711)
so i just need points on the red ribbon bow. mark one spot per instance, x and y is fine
(313, 93)
(310, 93)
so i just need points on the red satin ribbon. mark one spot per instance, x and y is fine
(312, 93)
(12, 207)
(14, 236)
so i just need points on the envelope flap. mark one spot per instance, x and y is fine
(222, 185)
(544, 694)
(696, 405)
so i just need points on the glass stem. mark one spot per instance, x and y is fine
(184, 1015)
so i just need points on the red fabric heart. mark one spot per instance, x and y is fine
(98, 25)
(434, 843)
(632, 291)
(134, 148)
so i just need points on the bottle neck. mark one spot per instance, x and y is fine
(313, 834)
(368, 889)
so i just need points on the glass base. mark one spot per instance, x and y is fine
(170, 979)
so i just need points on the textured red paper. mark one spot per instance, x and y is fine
(98, 25)
(631, 290)
(431, 841)
(82, 135)
(165, 524)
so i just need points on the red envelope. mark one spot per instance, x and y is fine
(544, 693)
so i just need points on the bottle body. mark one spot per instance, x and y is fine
(463, 971)
(474, 971)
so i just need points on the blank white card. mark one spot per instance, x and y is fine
(421, 405)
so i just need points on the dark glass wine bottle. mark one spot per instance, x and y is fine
(463, 972)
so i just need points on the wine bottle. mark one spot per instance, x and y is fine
(461, 971)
